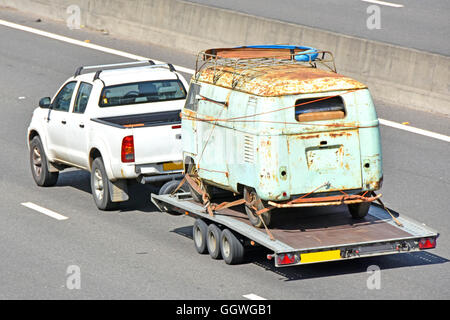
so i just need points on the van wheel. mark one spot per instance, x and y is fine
(192, 172)
(254, 201)
(100, 187)
(231, 248)
(38, 163)
(359, 210)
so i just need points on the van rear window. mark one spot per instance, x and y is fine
(142, 92)
(325, 109)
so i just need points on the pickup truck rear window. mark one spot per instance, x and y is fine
(142, 92)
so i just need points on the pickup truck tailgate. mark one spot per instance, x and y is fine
(157, 135)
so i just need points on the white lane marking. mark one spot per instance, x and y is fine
(85, 44)
(415, 130)
(186, 70)
(252, 296)
(45, 211)
(384, 3)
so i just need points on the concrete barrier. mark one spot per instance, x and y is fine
(394, 74)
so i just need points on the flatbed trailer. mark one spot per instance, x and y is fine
(303, 235)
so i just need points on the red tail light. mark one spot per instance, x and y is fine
(288, 258)
(427, 243)
(177, 126)
(127, 153)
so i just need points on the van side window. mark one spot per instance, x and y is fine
(325, 109)
(191, 101)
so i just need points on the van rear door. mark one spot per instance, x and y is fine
(318, 158)
(327, 153)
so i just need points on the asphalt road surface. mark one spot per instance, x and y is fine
(422, 25)
(139, 253)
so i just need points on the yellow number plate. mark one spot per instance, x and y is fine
(169, 166)
(320, 256)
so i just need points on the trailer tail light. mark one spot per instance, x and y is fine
(287, 258)
(427, 243)
(127, 153)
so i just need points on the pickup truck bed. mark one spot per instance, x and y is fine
(316, 234)
(142, 120)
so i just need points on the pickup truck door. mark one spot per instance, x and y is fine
(57, 122)
(77, 127)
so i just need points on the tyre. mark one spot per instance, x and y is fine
(253, 199)
(39, 167)
(199, 231)
(213, 241)
(100, 186)
(192, 172)
(170, 186)
(231, 248)
(359, 210)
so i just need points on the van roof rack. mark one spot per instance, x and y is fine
(113, 66)
(249, 58)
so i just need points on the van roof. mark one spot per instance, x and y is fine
(279, 80)
(272, 70)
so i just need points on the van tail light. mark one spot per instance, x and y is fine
(127, 153)
(177, 126)
(427, 243)
(287, 258)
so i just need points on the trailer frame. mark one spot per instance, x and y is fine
(377, 234)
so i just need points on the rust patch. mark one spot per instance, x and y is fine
(306, 137)
(279, 80)
(339, 134)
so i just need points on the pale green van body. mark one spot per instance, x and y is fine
(237, 139)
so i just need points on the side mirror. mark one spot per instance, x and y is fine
(45, 102)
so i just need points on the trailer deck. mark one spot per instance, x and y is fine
(309, 235)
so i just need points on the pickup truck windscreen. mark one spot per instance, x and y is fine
(142, 92)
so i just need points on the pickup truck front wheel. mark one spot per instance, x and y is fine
(100, 186)
(39, 167)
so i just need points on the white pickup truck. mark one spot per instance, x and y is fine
(120, 122)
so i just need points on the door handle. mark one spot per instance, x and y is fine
(63, 121)
(81, 125)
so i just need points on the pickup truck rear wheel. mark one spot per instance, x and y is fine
(100, 186)
(39, 168)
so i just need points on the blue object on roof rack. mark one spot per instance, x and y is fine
(310, 53)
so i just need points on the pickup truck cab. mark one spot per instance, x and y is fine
(119, 124)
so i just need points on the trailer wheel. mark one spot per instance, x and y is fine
(231, 248)
(359, 210)
(252, 198)
(213, 241)
(199, 231)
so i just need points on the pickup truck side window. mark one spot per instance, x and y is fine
(191, 101)
(62, 100)
(82, 98)
(142, 92)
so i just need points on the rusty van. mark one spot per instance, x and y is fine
(279, 126)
